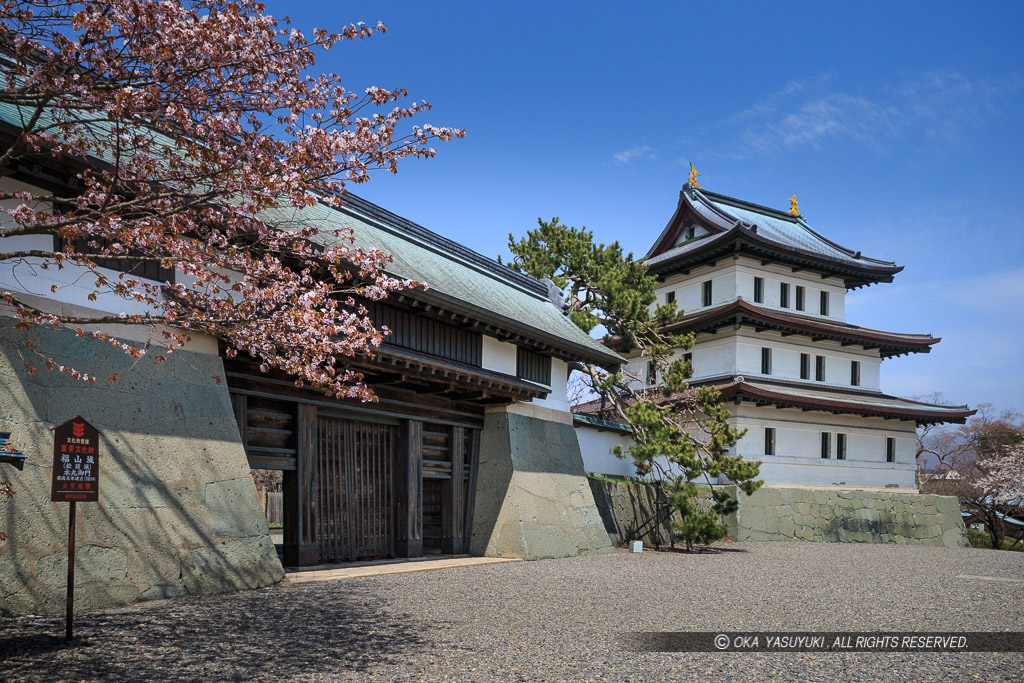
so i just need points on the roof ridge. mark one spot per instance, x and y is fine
(745, 204)
(796, 220)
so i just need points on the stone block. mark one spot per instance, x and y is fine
(533, 499)
(131, 489)
(93, 563)
(163, 592)
(786, 527)
(15, 572)
(35, 600)
(96, 597)
(122, 527)
(231, 565)
(154, 565)
(234, 509)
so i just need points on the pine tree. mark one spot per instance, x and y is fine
(681, 434)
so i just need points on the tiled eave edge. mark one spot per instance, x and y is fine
(739, 391)
(740, 312)
(582, 420)
(435, 369)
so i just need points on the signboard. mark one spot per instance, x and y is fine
(76, 471)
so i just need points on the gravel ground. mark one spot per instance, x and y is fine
(555, 620)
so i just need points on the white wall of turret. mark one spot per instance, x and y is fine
(733, 279)
(858, 448)
(740, 352)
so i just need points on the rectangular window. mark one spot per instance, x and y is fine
(758, 290)
(688, 357)
(805, 366)
(784, 295)
(840, 446)
(819, 368)
(769, 441)
(652, 373)
(670, 297)
(799, 298)
(826, 445)
(766, 361)
(890, 449)
(855, 373)
(706, 294)
(824, 303)
(533, 367)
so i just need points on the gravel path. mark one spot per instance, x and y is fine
(555, 620)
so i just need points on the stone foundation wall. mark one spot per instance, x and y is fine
(795, 514)
(177, 513)
(532, 497)
(628, 510)
(848, 516)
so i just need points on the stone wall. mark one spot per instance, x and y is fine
(628, 511)
(848, 516)
(177, 513)
(532, 497)
(794, 514)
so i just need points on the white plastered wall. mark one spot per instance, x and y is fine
(735, 279)
(798, 462)
(66, 291)
(500, 356)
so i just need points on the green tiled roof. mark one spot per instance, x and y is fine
(459, 279)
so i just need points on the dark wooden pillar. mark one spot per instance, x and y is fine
(301, 491)
(454, 516)
(409, 490)
(473, 453)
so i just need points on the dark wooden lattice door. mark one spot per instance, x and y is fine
(355, 505)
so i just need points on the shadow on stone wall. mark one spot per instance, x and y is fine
(177, 513)
(635, 511)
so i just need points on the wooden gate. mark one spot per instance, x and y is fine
(354, 515)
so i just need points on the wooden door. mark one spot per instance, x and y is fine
(354, 509)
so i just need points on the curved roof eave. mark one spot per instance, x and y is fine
(931, 415)
(740, 238)
(889, 343)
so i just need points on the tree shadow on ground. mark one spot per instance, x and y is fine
(700, 549)
(276, 633)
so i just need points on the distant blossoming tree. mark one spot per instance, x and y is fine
(982, 463)
(192, 135)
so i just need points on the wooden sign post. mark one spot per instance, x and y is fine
(76, 477)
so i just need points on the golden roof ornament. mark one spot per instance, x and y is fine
(794, 210)
(693, 178)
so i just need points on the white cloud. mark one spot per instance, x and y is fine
(940, 105)
(627, 156)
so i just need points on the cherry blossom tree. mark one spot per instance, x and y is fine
(197, 137)
(982, 463)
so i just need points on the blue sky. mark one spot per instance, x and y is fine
(899, 125)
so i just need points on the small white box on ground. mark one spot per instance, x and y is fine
(638, 546)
